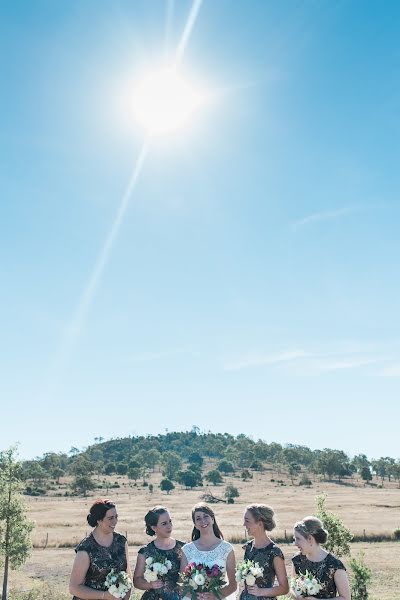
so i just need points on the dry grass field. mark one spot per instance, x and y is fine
(61, 523)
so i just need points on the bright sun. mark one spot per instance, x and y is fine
(164, 101)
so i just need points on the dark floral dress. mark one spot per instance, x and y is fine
(323, 571)
(170, 589)
(265, 558)
(103, 559)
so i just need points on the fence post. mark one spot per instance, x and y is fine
(46, 542)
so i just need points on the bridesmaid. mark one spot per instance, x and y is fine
(102, 550)
(325, 567)
(258, 519)
(158, 523)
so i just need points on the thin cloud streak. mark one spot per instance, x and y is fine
(271, 359)
(303, 362)
(391, 371)
(323, 216)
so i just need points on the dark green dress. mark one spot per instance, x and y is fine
(170, 589)
(103, 559)
(323, 571)
(265, 558)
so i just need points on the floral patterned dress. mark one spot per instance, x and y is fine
(103, 559)
(170, 589)
(323, 570)
(265, 558)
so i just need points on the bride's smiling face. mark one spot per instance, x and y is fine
(203, 522)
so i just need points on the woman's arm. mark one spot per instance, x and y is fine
(77, 585)
(277, 590)
(342, 585)
(184, 563)
(230, 572)
(138, 577)
(292, 594)
(128, 570)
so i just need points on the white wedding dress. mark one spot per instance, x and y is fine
(209, 557)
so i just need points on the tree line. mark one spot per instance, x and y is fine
(180, 456)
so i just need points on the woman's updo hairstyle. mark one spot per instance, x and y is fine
(312, 526)
(98, 511)
(202, 507)
(263, 513)
(151, 518)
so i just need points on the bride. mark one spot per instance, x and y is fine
(208, 547)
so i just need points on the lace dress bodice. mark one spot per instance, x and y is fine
(209, 557)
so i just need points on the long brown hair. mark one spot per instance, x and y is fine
(201, 507)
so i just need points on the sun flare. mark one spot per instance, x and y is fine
(165, 101)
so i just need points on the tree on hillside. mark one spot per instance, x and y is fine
(246, 475)
(15, 528)
(82, 484)
(231, 492)
(122, 468)
(57, 473)
(172, 463)
(195, 458)
(109, 469)
(33, 470)
(166, 485)
(214, 477)
(365, 473)
(82, 471)
(340, 536)
(134, 473)
(225, 466)
(293, 471)
(189, 478)
(151, 458)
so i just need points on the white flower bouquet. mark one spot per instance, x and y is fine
(156, 568)
(306, 585)
(248, 572)
(118, 583)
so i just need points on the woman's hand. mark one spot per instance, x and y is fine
(157, 584)
(206, 596)
(254, 590)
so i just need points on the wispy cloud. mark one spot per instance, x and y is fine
(265, 359)
(317, 361)
(323, 216)
(391, 371)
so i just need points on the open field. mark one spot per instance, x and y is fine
(62, 522)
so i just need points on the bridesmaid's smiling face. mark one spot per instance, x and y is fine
(202, 521)
(109, 522)
(163, 528)
(251, 524)
(302, 543)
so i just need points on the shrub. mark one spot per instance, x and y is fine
(339, 535)
(305, 480)
(361, 577)
(231, 492)
(396, 533)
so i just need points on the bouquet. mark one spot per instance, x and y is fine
(306, 585)
(118, 583)
(199, 577)
(248, 572)
(156, 568)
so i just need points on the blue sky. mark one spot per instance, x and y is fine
(252, 285)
